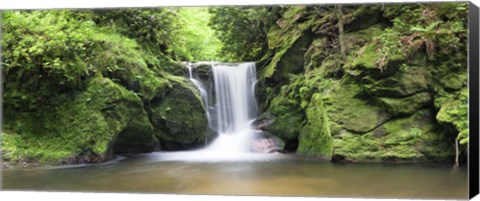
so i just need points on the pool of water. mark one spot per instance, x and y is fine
(269, 175)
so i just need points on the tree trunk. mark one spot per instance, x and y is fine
(341, 30)
(456, 152)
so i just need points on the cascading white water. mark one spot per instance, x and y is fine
(230, 113)
(235, 106)
(203, 92)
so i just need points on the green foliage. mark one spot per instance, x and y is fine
(439, 28)
(48, 53)
(182, 33)
(427, 28)
(454, 110)
(44, 53)
(155, 29)
(243, 30)
(76, 81)
(199, 40)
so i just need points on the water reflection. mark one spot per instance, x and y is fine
(279, 176)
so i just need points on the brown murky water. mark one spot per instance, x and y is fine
(274, 176)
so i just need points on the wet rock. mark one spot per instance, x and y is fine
(263, 122)
(340, 159)
(265, 142)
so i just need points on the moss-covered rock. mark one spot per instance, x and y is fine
(129, 116)
(454, 80)
(179, 117)
(454, 112)
(315, 54)
(403, 83)
(389, 87)
(413, 138)
(372, 61)
(315, 137)
(289, 39)
(353, 41)
(83, 128)
(407, 105)
(288, 118)
(362, 17)
(354, 110)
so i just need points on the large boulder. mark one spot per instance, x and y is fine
(412, 138)
(179, 117)
(88, 126)
(353, 109)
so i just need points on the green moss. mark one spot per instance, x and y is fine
(413, 138)
(362, 17)
(357, 147)
(288, 118)
(330, 67)
(18, 147)
(368, 57)
(377, 96)
(288, 39)
(380, 57)
(85, 124)
(179, 116)
(353, 109)
(403, 132)
(287, 43)
(454, 80)
(454, 111)
(353, 41)
(407, 105)
(315, 54)
(408, 81)
(292, 61)
(315, 137)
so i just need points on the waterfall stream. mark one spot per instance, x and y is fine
(229, 98)
(203, 92)
(233, 107)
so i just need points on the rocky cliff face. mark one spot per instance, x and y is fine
(368, 82)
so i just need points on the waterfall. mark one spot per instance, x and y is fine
(233, 107)
(203, 92)
(228, 94)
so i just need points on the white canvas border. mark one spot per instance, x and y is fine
(59, 4)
